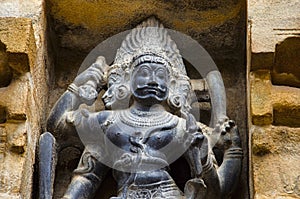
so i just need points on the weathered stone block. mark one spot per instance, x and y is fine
(279, 105)
(286, 106)
(13, 136)
(9, 196)
(262, 61)
(275, 139)
(17, 137)
(14, 98)
(3, 115)
(11, 174)
(271, 22)
(286, 69)
(276, 161)
(276, 176)
(209, 22)
(19, 117)
(17, 35)
(261, 98)
(3, 141)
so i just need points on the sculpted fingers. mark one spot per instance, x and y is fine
(227, 126)
(228, 134)
(89, 75)
(235, 137)
(94, 75)
(231, 123)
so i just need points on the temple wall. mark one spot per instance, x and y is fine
(274, 76)
(77, 27)
(43, 43)
(23, 94)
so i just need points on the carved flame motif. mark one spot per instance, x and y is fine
(150, 37)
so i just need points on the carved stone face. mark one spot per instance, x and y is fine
(109, 96)
(149, 82)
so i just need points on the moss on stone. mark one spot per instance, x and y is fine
(109, 15)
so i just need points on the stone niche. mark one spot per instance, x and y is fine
(75, 27)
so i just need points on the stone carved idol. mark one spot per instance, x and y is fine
(147, 127)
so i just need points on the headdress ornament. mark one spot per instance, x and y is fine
(150, 42)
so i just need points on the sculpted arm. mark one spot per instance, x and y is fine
(230, 169)
(82, 90)
(218, 182)
(57, 119)
(221, 181)
(66, 118)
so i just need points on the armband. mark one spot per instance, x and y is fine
(73, 88)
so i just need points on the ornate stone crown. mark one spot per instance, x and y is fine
(150, 42)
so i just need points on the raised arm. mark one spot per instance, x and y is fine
(230, 169)
(84, 90)
(61, 123)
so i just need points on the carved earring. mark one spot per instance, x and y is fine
(122, 92)
(175, 101)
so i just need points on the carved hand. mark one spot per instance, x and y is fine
(229, 134)
(90, 81)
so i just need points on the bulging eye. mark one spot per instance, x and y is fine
(161, 74)
(145, 72)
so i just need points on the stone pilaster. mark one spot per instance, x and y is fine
(274, 98)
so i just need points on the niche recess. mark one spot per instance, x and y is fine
(3, 115)
(5, 71)
(220, 27)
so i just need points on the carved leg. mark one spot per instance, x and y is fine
(80, 188)
(87, 177)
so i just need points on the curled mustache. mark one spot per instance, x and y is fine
(158, 88)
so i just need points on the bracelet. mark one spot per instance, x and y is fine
(235, 152)
(73, 88)
(208, 165)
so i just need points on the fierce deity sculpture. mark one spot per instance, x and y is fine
(146, 127)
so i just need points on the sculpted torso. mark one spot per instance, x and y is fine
(140, 151)
(143, 145)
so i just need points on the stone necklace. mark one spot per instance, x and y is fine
(136, 118)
